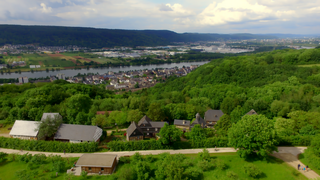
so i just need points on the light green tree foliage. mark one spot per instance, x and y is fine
(280, 108)
(169, 167)
(253, 134)
(308, 130)
(23, 175)
(236, 114)
(155, 112)
(223, 125)
(197, 133)
(284, 127)
(303, 118)
(204, 155)
(48, 127)
(228, 104)
(134, 115)
(118, 117)
(77, 103)
(169, 134)
(315, 145)
(100, 120)
(143, 170)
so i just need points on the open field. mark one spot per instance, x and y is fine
(272, 168)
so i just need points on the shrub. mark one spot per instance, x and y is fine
(252, 170)
(193, 173)
(297, 140)
(150, 158)
(124, 160)
(220, 164)
(47, 146)
(232, 175)
(204, 155)
(315, 145)
(2, 156)
(313, 160)
(205, 165)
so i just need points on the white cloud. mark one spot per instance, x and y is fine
(45, 9)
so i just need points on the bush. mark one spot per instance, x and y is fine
(124, 160)
(2, 156)
(205, 165)
(47, 146)
(193, 173)
(295, 140)
(232, 175)
(315, 145)
(313, 160)
(220, 164)
(252, 170)
(204, 155)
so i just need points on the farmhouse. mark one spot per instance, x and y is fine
(211, 117)
(184, 125)
(144, 128)
(97, 163)
(252, 112)
(24, 130)
(78, 133)
(199, 121)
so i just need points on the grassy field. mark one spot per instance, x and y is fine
(103, 60)
(272, 169)
(4, 130)
(8, 170)
(57, 62)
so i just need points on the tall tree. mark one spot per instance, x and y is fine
(223, 125)
(169, 134)
(49, 126)
(253, 134)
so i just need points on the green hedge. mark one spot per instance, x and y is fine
(312, 159)
(210, 142)
(47, 146)
(295, 140)
(157, 145)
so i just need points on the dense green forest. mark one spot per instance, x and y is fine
(98, 38)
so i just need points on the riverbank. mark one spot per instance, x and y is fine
(74, 72)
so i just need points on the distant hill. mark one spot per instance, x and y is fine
(98, 38)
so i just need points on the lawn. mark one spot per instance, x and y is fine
(272, 168)
(4, 130)
(43, 171)
(57, 62)
(103, 60)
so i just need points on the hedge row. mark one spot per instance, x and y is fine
(136, 145)
(297, 140)
(47, 146)
(210, 142)
(312, 159)
(157, 145)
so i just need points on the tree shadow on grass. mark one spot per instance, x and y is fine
(269, 159)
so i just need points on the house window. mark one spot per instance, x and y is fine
(89, 168)
(210, 122)
(156, 129)
(148, 129)
(102, 169)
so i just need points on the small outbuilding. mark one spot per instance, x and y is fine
(25, 130)
(97, 163)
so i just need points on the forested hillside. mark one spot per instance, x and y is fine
(267, 82)
(98, 38)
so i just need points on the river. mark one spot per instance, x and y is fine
(73, 72)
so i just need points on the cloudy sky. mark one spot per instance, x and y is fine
(203, 16)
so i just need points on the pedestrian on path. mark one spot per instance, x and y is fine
(307, 168)
(298, 166)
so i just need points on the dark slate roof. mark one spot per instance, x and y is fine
(213, 115)
(198, 120)
(252, 112)
(145, 120)
(181, 122)
(133, 126)
(78, 132)
(157, 124)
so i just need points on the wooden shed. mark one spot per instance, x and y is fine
(97, 163)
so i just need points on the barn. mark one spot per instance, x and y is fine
(97, 163)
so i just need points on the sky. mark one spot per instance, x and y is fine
(201, 16)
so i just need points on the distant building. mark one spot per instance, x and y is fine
(23, 80)
(97, 163)
(211, 117)
(61, 76)
(2, 66)
(78, 133)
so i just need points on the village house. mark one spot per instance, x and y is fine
(144, 129)
(25, 130)
(184, 125)
(252, 112)
(211, 117)
(97, 163)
